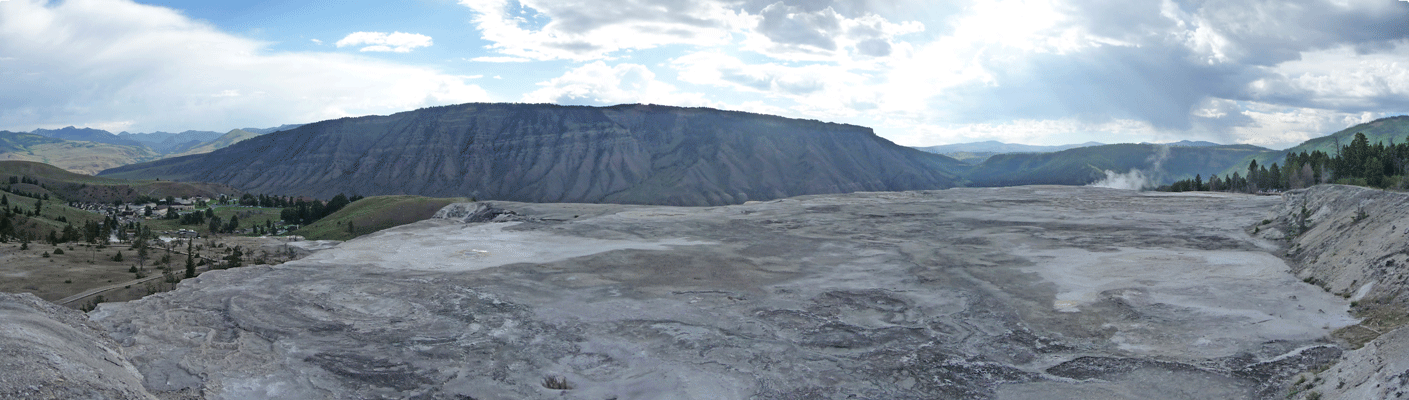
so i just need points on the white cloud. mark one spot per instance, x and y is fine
(398, 42)
(1278, 127)
(1340, 79)
(499, 59)
(815, 90)
(95, 61)
(575, 30)
(793, 33)
(1257, 71)
(598, 84)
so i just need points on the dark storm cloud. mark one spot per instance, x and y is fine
(1183, 67)
(1270, 32)
(1158, 85)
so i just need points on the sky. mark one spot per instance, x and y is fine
(1265, 72)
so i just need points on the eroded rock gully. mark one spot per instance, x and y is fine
(1010, 293)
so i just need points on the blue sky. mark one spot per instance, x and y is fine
(1271, 73)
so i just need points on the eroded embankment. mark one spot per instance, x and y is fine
(1353, 242)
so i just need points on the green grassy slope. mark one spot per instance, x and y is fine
(52, 213)
(373, 214)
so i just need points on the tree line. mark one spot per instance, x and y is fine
(306, 212)
(1358, 163)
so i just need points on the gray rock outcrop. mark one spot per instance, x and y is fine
(52, 352)
(475, 212)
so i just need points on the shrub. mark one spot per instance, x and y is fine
(557, 383)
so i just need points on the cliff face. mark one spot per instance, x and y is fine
(544, 153)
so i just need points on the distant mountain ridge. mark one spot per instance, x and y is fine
(20, 141)
(261, 131)
(229, 138)
(642, 154)
(87, 135)
(88, 150)
(977, 152)
(1187, 143)
(166, 143)
(993, 146)
(1162, 164)
(73, 155)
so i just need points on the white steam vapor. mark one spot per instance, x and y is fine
(1137, 179)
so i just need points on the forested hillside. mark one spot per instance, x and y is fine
(1080, 166)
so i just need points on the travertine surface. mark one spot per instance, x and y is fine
(53, 352)
(1026, 292)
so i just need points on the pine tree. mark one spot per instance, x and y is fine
(233, 260)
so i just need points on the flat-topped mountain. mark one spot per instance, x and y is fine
(641, 154)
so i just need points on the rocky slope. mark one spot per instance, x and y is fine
(52, 352)
(1351, 242)
(547, 153)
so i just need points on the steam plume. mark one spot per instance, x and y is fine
(1137, 179)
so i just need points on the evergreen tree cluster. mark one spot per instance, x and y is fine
(24, 179)
(1358, 163)
(260, 200)
(305, 212)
